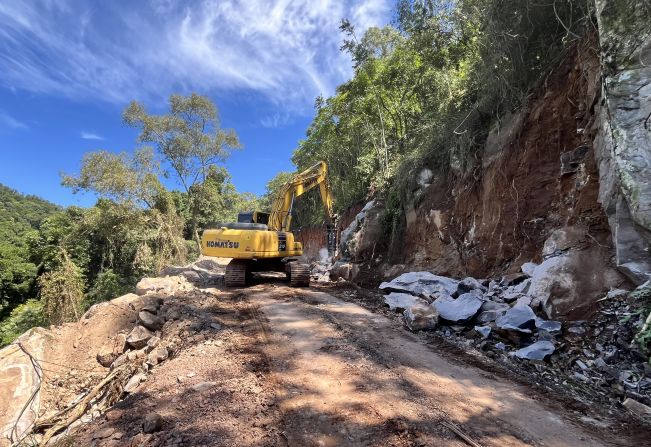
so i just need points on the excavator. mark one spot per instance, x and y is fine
(261, 241)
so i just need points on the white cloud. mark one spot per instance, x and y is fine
(89, 136)
(287, 51)
(7, 120)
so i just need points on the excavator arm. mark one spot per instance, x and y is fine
(281, 209)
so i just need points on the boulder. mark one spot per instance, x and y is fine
(344, 270)
(401, 301)
(421, 317)
(528, 268)
(152, 423)
(203, 386)
(423, 284)
(138, 337)
(191, 276)
(157, 356)
(150, 321)
(459, 310)
(518, 318)
(105, 357)
(551, 326)
(523, 287)
(134, 382)
(537, 351)
(484, 331)
(165, 285)
(568, 285)
(491, 311)
(468, 284)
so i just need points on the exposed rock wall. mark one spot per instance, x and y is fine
(547, 190)
(623, 144)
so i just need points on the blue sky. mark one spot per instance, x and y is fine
(68, 68)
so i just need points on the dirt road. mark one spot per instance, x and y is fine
(296, 367)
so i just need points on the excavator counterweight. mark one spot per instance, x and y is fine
(261, 241)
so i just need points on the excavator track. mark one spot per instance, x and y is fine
(299, 275)
(235, 275)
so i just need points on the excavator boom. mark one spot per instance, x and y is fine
(281, 209)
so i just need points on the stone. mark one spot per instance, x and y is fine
(203, 386)
(509, 297)
(571, 161)
(518, 318)
(152, 423)
(342, 269)
(421, 317)
(166, 285)
(157, 356)
(191, 276)
(513, 279)
(120, 344)
(106, 357)
(121, 360)
(563, 239)
(523, 301)
(551, 326)
(459, 310)
(150, 321)
(468, 284)
(571, 281)
(134, 382)
(423, 284)
(173, 314)
(522, 287)
(215, 326)
(104, 433)
(501, 346)
(528, 268)
(152, 343)
(636, 407)
(536, 351)
(401, 301)
(484, 331)
(491, 311)
(138, 337)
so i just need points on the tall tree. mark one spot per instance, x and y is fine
(190, 140)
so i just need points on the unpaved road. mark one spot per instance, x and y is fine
(297, 367)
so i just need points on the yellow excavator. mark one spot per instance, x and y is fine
(262, 241)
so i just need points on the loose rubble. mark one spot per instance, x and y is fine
(506, 320)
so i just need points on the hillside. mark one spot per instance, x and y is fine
(20, 218)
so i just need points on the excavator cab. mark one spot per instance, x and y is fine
(253, 217)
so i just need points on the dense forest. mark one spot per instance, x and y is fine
(425, 92)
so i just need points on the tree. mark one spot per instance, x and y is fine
(189, 139)
(121, 177)
(62, 291)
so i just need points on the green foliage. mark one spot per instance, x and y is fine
(22, 318)
(62, 291)
(273, 188)
(120, 177)
(108, 285)
(426, 92)
(20, 218)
